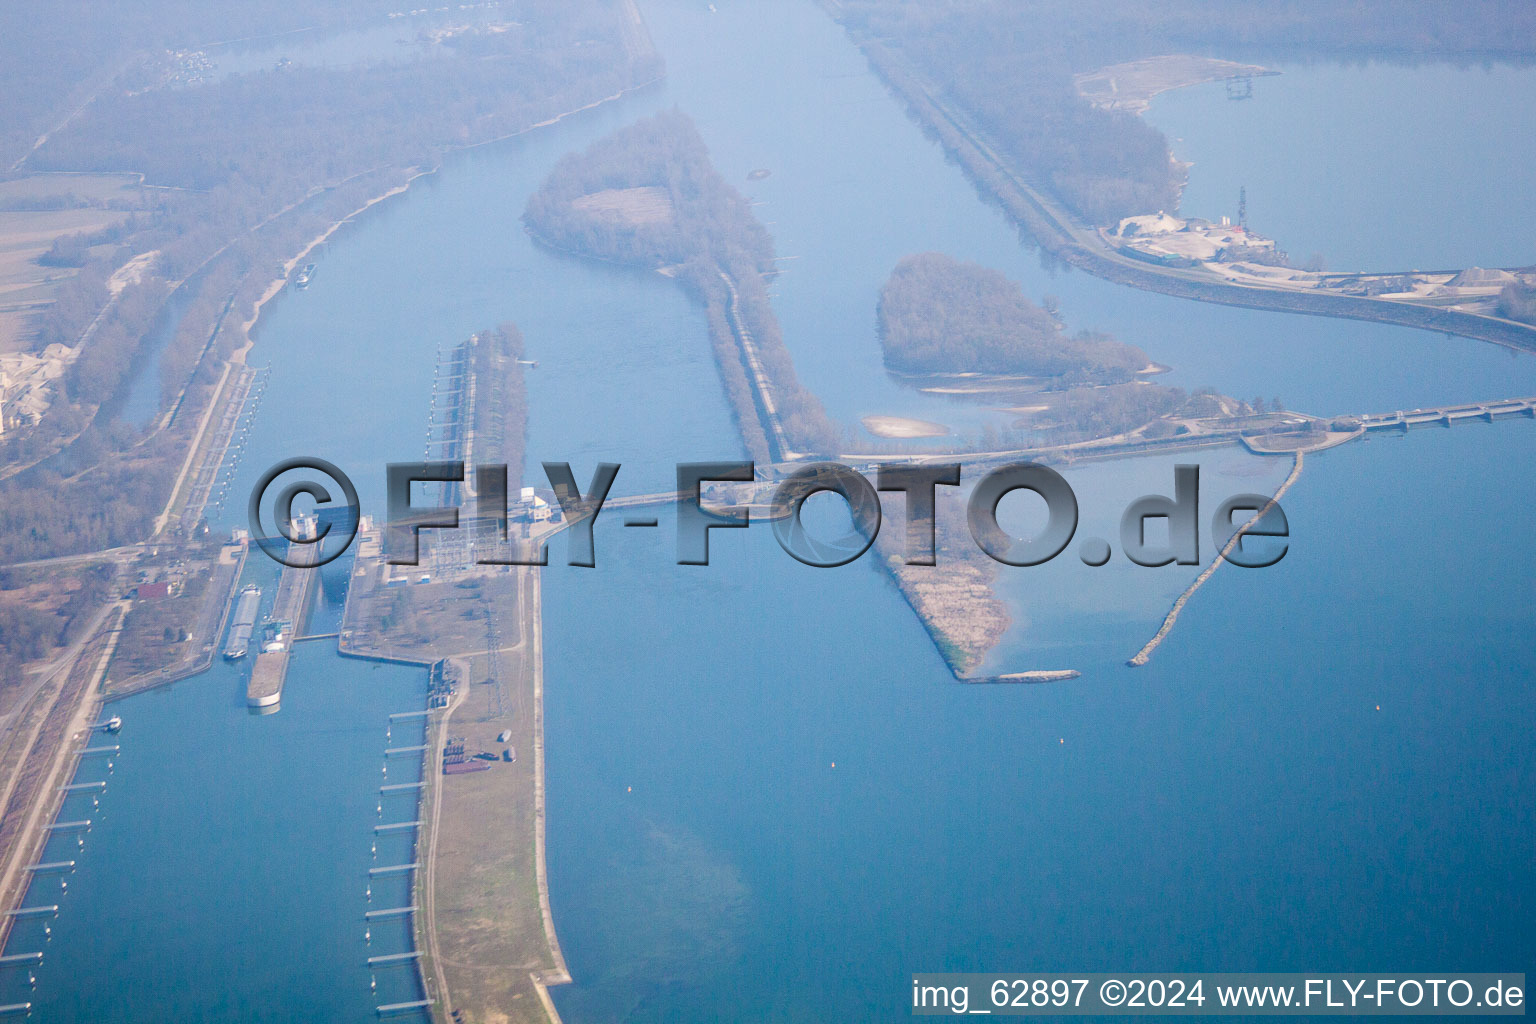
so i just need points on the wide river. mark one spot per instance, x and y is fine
(768, 799)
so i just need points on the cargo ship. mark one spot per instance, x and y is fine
(285, 620)
(246, 607)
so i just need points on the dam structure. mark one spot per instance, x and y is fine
(1444, 416)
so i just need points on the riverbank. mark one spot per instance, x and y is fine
(277, 283)
(903, 427)
(37, 793)
(201, 645)
(955, 598)
(1132, 85)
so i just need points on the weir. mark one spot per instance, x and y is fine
(1446, 415)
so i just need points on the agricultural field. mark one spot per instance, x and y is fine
(35, 212)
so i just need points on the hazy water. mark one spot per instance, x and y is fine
(186, 904)
(1238, 804)
(142, 385)
(1411, 167)
(183, 907)
(856, 186)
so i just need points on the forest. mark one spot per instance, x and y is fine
(709, 220)
(240, 173)
(938, 315)
(42, 611)
(710, 230)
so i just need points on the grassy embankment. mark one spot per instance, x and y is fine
(484, 925)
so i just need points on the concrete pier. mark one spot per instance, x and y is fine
(75, 786)
(399, 826)
(392, 869)
(391, 912)
(52, 865)
(420, 1004)
(398, 716)
(394, 958)
(402, 751)
(21, 958)
(83, 825)
(88, 751)
(401, 787)
(48, 911)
